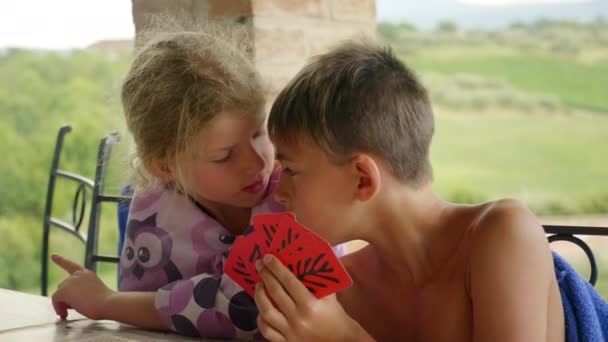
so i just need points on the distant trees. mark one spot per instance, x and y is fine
(40, 92)
(561, 37)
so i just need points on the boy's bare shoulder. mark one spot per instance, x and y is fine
(505, 214)
(508, 224)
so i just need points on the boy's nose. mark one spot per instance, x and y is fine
(280, 193)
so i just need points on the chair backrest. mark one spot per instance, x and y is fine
(84, 186)
(570, 234)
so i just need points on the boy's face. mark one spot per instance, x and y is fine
(318, 191)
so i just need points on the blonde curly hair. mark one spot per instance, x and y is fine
(177, 83)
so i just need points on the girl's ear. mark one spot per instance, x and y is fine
(161, 169)
(367, 176)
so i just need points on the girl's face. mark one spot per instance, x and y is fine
(231, 162)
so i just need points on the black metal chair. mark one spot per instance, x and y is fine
(97, 197)
(570, 234)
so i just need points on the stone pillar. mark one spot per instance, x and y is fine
(285, 32)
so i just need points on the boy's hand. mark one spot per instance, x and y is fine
(298, 316)
(82, 291)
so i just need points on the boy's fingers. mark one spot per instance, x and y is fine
(66, 264)
(266, 309)
(277, 293)
(296, 290)
(269, 332)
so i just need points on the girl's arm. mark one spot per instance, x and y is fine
(84, 292)
(206, 305)
(134, 308)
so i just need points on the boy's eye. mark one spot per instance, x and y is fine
(289, 171)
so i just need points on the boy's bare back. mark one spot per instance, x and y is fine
(483, 256)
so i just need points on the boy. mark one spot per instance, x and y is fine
(352, 132)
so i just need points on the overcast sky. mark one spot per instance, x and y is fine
(64, 24)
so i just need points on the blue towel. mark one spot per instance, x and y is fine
(585, 312)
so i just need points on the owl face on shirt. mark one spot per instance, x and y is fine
(146, 259)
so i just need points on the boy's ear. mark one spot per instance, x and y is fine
(368, 176)
(161, 169)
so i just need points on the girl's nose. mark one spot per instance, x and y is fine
(256, 161)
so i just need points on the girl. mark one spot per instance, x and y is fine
(195, 107)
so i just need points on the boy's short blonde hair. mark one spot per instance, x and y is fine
(176, 85)
(359, 98)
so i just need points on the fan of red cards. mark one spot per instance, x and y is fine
(307, 255)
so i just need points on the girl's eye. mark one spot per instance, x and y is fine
(225, 159)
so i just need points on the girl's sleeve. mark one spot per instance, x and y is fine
(208, 306)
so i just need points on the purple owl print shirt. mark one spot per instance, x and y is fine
(176, 249)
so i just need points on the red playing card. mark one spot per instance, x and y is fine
(288, 233)
(240, 264)
(266, 227)
(261, 233)
(316, 265)
(306, 254)
(310, 258)
(249, 247)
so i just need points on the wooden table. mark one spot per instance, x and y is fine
(26, 317)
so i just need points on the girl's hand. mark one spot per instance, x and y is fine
(82, 291)
(298, 316)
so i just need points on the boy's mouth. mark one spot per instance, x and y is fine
(255, 187)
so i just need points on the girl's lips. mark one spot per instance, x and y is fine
(255, 187)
